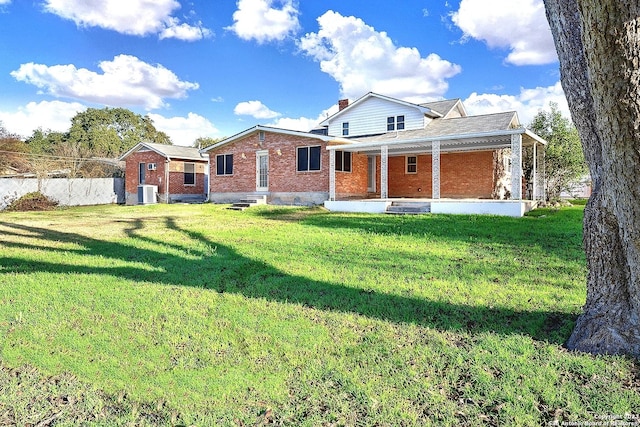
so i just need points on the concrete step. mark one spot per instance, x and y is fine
(403, 208)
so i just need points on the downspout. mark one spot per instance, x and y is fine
(166, 179)
(206, 200)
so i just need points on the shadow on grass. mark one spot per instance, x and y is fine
(220, 268)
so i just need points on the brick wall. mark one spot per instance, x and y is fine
(176, 178)
(283, 174)
(467, 174)
(354, 183)
(462, 175)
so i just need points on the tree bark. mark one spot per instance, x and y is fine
(598, 47)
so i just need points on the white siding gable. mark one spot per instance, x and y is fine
(370, 117)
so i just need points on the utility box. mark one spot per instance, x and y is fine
(147, 194)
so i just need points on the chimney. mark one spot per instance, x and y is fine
(342, 104)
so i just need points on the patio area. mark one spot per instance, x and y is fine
(512, 208)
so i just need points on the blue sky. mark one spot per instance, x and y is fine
(215, 68)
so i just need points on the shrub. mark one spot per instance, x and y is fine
(34, 201)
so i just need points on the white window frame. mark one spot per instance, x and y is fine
(340, 154)
(308, 147)
(224, 167)
(407, 164)
(184, 173)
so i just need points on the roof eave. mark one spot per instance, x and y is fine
(442, 138)
(257, 128)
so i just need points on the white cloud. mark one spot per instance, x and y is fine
(259, 20)
(520, 26)
(125, 81)
(137, 17)
(48, 115)
(183, 31)
(304, 124)
(527, 103)
(3, 2)
(184, 130)
(255, 109)
(364, 60)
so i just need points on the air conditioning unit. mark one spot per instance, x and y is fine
(151, 166)
(147, 194)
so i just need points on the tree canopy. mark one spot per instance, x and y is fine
(564, 159)
(110, 132)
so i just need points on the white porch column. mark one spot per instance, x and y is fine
(516, 166)
(435, 170)
(542, 178)
(534, 190)
(384, 183)
(332, 174)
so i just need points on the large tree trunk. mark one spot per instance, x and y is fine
(598, 46)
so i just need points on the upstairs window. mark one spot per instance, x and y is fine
(343, 161)
(224, 164)
(395, 123)
(189, 173)
(308, 159)
(412, 164)
(345, 128)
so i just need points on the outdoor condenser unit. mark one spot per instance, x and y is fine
(147, 194)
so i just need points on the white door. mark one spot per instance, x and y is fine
(262, 171)
(371, 174)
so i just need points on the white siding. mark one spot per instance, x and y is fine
(370, 117)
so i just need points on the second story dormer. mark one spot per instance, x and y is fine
(375, 114)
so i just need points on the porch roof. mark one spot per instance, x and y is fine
(472, 133)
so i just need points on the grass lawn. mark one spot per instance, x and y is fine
(197, 315)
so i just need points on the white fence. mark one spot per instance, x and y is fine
(68, 192)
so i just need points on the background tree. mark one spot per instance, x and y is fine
(205, 141)
(597, 44)
(110, 132)
(13, 151)
(564, 162)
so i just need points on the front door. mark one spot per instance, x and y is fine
(262, 171)
(371, 174)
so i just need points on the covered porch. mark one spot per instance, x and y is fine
(512, 195)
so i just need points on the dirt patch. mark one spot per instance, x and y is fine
(35, 201)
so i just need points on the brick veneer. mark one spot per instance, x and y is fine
(462, 174)
(283, 174)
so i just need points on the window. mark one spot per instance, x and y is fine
(189, 173)
(412, 164)
(151, 166)
(391, 124)
(345, 128)
(261, 136)
(224, 164)
(308, 159)
(395, 123)
(343, 161)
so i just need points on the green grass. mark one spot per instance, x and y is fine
(199, 315)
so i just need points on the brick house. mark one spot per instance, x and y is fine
(382, 148)
(168, 173)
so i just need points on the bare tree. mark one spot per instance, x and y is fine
(597, 44)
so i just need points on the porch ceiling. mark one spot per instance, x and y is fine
(452, 143)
